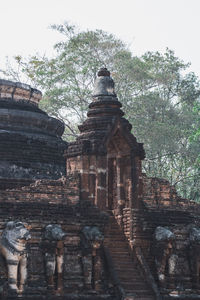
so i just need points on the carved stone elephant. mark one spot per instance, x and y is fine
(53, 248)
(194, 255)
(13, 248)
(163, 239)
(91, 243)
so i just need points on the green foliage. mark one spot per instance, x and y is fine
(159, 98)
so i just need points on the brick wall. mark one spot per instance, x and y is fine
(64, 190)
(72, 219)
(158, 193)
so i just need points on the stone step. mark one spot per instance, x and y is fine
(116, 242)
(120, 254)
(142, 298)
(119, 257)
(116, 251)
(119, 264)
(116, 231)
(133, 273)
(129, 268)
(129, 263)
(116, 235)
(130, 288)
(115, 239)
(120, 250)
(131, 280)
(116, 245)
(139, 296)
(133, 277)
(134, 285)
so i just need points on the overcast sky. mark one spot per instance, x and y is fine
(147, 25)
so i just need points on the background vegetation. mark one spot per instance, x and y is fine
(160, 98)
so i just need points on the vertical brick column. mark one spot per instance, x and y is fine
(137, 183)
(101, 183)
(92, 179)
(120, 183)
(120, 190)
(85, 165)
(85, 178)
(140, 179)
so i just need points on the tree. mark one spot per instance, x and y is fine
(67, 79)
(163, 116)
(158, 99)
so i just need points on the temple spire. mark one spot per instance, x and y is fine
(104, 84)
(105, 102)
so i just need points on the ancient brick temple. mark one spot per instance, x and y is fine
(80, 220)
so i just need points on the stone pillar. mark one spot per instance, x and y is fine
(101, 182)
(120, 190)
(137, 191)
(92, 179)
(85, 178)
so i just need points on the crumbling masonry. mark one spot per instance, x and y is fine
(79, 220)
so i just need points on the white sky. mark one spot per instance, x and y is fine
(148, 25)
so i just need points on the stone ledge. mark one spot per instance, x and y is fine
(19, 91)
(64, 297)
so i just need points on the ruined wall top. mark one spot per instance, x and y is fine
(18, 91)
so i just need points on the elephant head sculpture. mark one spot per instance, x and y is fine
(13, 248)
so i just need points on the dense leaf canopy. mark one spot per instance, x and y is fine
(159, 97)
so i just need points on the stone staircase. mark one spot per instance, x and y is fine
(131, 279)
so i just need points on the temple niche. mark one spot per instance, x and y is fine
(80, 220)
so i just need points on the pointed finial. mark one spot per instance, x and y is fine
(103, 72)
(104, 84)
